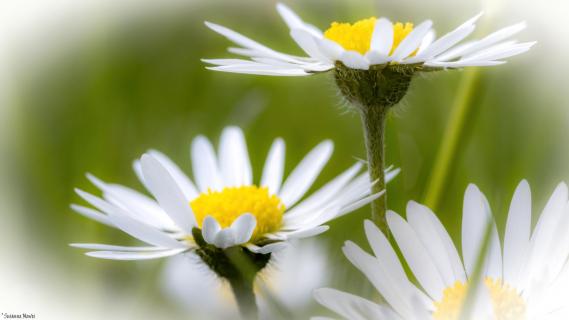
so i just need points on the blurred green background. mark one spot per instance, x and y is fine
(139, 84)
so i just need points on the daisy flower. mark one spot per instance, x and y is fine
(373, 62)
(290, 279)
(224, 208)
(524, 277)
(366, 43)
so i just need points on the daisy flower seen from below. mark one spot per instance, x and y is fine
(290, 279)
(368, 43)
(230, 222)
(526, 278)
(373, 62)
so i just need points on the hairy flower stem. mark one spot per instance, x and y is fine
(373, 121)
(242, 284)
(373, 93)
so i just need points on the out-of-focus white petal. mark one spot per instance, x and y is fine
(274, 167)
(517, 235)
(350, 306)
(204, 165)
(234, 158)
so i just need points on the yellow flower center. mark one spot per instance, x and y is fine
(231, 202)
(357, 36)
(506, 302)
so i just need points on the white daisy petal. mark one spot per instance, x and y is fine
(228, 62)
(167, 192)
(427, 41)
(234, 158)
(476, 218)
(517, 235)
(238, 38)
(419, 220)
(138, 206)
(382, 37)
(332, 50)
(210, 228)
(500, 51)
(253, 53)
(307, 42)
(415, 253)
(293, 21)
(381, 280)
(274, 167)
(181, 178)
(305, 173)
(462, 64)
(444, 43)
(269, 248)
(92, 214)
(144, 255)
(541, 238)
(494, 38)
(225, 238)
(390, 174)
(384, 252)
(106, 247)
(453, 256)
(350, 306)
(428, 51)
(411, 41)
(262, 70)
(326, 193)
(375, 58)
(204, 165)
(360, 203)
(133, 227)
(243, 228)
(306, 233)
(354, 60)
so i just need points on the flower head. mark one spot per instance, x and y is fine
(224, 208)
(369, 43)
(525, 278)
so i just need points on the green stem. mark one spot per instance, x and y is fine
(452, 137)
(243, 291)
(241, 282)
(373, 120)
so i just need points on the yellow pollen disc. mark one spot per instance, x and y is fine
(506, 301)
(231, 202)
(357, 36)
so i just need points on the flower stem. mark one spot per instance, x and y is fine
(444, 161)
(243, 292)
(242, 281)
(373, 121)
